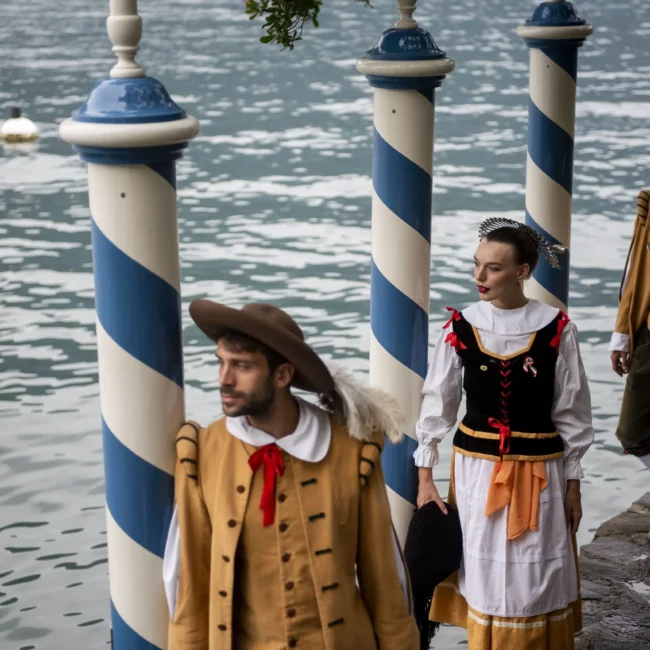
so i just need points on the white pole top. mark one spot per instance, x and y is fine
(124, 27)
(406, 9)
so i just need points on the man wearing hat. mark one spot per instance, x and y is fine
(281, 535)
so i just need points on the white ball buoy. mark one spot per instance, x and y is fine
(18, 128)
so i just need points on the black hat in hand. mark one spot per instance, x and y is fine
(433, 551)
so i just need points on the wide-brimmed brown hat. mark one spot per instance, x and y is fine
(270, 325)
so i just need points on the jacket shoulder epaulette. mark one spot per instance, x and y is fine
(370, 458)
(187, 448)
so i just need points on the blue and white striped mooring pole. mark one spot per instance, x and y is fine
(553, 33)
(130, 133)
(404, 68)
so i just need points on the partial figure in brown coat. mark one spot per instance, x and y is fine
(630, 344)
(281, 535)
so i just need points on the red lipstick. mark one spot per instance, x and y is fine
(482, 289)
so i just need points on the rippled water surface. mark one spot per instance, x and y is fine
(274, 205)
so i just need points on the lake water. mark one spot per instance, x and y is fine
(274, 205)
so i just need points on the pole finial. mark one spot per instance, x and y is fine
(124, 27)
(406, 9)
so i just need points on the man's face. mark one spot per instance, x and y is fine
(247, 386)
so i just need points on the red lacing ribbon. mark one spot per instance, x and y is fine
(561, 324)
(504, 435)
(271, 457)
(455, 316)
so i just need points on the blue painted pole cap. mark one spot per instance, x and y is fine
(555, 26)
(556, 14)
(405, 45)
(137, 100)
(129, 121)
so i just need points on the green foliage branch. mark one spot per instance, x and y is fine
(284, 20)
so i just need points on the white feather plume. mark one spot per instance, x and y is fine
(370, 413)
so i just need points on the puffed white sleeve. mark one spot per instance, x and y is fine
(572, 404)
(442, 395)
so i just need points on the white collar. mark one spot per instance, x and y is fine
(530, 318)
(309, 442)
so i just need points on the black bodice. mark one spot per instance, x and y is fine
(509, 398)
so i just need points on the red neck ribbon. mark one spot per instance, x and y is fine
(270, 456)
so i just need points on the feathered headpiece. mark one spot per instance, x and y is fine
(543, 246)
(367, 411)
(370, 414)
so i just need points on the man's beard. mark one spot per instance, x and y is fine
(256, 405)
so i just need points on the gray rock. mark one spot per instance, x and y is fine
(629, 525)
(615, 579)
(632, 559)
(642, 506)
(624, 624)
(593, 590)
(602, 571)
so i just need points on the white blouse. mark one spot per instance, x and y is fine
(506, 332)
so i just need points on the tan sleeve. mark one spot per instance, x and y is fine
(379, 578)
(189, 629)
(631, 272)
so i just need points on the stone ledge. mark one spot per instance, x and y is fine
(615, 578)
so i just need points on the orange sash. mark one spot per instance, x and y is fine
(518, 483)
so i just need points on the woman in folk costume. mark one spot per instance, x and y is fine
(515, 476)
(281, 535)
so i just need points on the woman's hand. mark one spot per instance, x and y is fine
(427, 490)
(573, 505)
